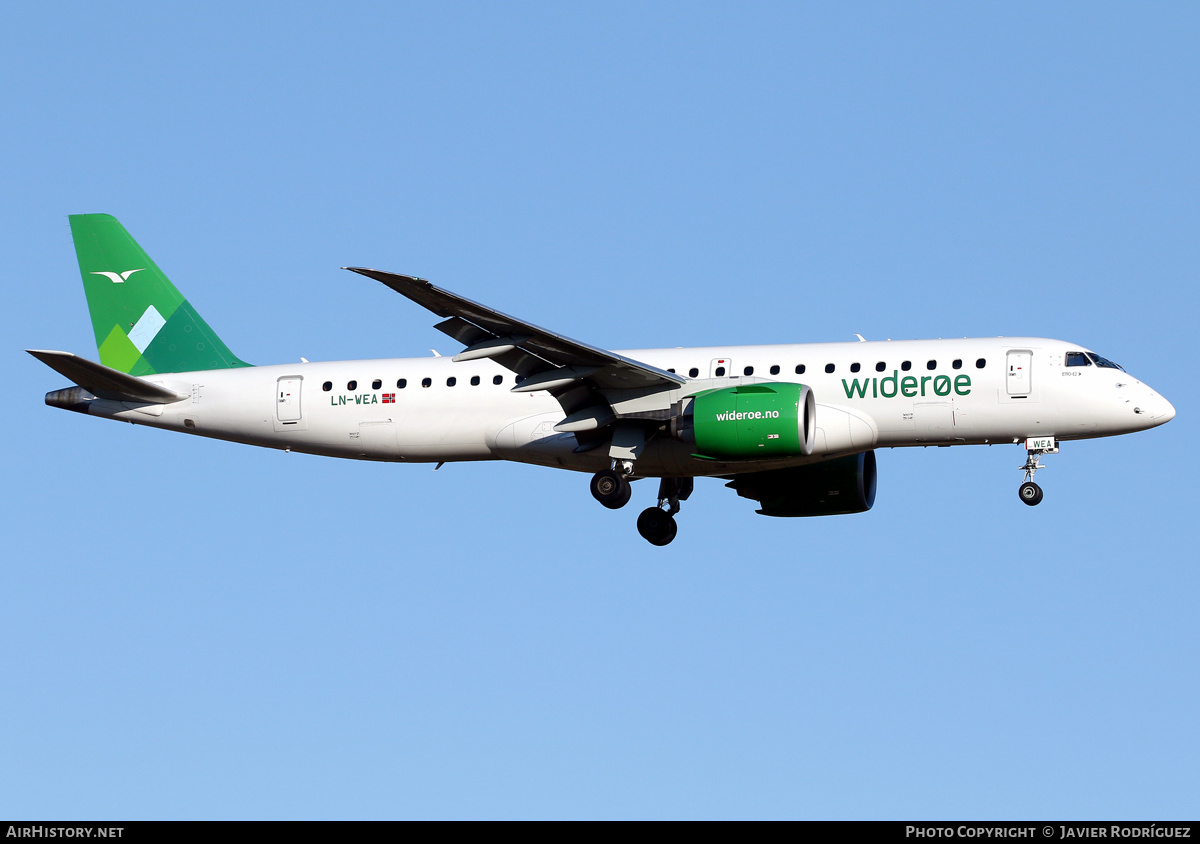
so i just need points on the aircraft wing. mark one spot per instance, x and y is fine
(548, 361)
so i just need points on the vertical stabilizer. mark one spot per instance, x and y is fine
(143, 324)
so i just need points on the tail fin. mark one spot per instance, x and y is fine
(143, 324)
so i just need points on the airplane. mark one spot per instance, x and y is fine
(793, 427)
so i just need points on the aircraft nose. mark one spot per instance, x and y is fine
(1157, 409)
(1168, 410)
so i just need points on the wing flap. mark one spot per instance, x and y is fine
(463, 331)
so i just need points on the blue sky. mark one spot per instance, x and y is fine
(195, 629)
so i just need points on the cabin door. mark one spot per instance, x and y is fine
(287, 400)
(1019, 376)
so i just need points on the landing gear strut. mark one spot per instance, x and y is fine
(657, 524)
(1030, 492)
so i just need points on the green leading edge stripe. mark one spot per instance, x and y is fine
(142, 323)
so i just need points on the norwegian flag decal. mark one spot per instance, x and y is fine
(389, 398)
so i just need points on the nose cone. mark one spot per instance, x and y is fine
(1156, 410)
(1168, 411)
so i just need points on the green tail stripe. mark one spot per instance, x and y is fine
(142, 323)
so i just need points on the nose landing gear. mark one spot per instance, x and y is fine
(1030, 492)
(656, 524)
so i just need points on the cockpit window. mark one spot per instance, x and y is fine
(1077, 359)
(1104, 362)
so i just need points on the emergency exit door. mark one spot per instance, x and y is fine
(720, 368)
(1019, 377)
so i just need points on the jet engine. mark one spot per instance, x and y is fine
(835, 487)
(750, 421)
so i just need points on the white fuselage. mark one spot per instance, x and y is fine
(382, 410)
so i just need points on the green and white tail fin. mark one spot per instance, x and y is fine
(143, 324)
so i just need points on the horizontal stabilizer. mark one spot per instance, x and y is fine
(105, 382)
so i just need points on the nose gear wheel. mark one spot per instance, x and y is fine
(1030, 493)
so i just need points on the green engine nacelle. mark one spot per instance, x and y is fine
(752, 421)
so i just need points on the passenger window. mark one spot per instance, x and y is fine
(352, 386)
(957, 363)
(327, 386)
(879, 367)
(855, 367)
(426, 382)
(672, 371)
(980, 364)
(519, 379)
(693, 372)
(474, 380)
(907, 365)
(775, 370)
(720, 371)
(451, 381)
(402, 383)
(799, 369)
(1077, 359)
(931, 365)
(376, 384)
(749, 370)
(829, 367)
(497, 379)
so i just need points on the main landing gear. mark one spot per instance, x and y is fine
(611, 488)
(1030, 492)
(656, 524)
